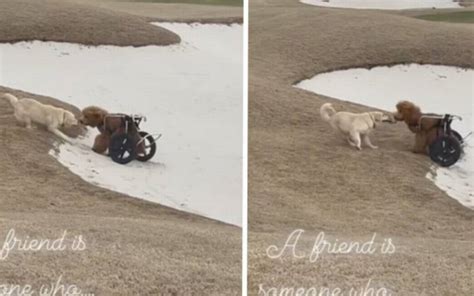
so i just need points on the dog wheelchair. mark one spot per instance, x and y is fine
(447, 148)
(125, 146)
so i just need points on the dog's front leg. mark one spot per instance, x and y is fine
(420, 144)
(59, 134)
(368, 143)
(354, 140)
(101, 143)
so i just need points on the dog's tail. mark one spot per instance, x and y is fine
(11, 98)
(327, 111)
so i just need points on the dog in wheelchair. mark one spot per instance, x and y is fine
(120, 135)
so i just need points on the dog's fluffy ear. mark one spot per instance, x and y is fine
(97, 114)
(408, 112)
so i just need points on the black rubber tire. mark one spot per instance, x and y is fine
(457, 136)
(446, 150)
(122, 149)
(149, 144)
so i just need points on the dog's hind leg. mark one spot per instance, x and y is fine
(27, 122)
(22, 119)
(367, 142)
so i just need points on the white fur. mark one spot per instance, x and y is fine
(355, 127)
(29, 111)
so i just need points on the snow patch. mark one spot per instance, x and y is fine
(384, 4)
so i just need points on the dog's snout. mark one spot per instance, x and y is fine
(390, 117)
(397, 116)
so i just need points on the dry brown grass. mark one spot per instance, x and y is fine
(175, 12)
(466, 3)
(52, 20)
(303, 176)
(134, 247)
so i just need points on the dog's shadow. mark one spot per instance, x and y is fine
(87, 150)
(153, 164)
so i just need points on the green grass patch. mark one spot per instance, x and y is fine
(452, 17)
(207, 2)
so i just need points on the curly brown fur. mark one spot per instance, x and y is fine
(107, 125)
(425, 130)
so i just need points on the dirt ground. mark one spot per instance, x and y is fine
(133, 247)
(302, 176)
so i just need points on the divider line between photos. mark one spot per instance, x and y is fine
(245, 150)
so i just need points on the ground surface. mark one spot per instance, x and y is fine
(303, 176)
(133, 247)
(452, 17)
(47, 20)
(206, 2)
(181, 12)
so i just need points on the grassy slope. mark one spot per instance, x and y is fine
(205, 2)
(452, 17)
(22, 20)
(303, 176)
(173, 11)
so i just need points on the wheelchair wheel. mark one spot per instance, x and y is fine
(149, 145)
(122, 149)
(457, 136)
(445, 150)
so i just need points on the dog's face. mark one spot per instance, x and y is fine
(92, 116)
(406, 111)
(382, 117)
(69, 119)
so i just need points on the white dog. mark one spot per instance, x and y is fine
(27, 111)
(354, 126)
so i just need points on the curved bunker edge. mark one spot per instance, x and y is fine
(29, 20)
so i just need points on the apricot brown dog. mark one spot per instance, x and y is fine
(426, 130)
(108, 125)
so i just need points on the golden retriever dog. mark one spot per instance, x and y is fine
(108, 126)
(426, 130)
(28, 111)
(355, 127)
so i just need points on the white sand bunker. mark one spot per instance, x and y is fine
(384, 4)
(191, 93)
(437, 89)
